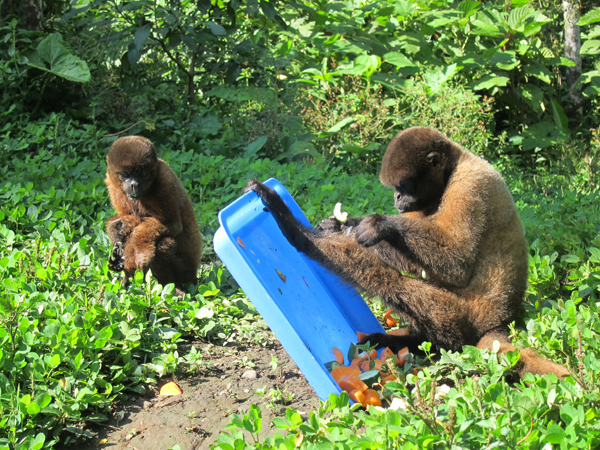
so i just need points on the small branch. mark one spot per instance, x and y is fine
(126, 129)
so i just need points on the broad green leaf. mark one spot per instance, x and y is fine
(532, 95)
(469, 7)
(352, 148)
(133, 56)
(33, 408)
(267, 9)
(590, 17)
(519, 3)
(516, 16)
(55, 360)
(590, 47)
(216, 29)
(539, 71)
(485, 25)
(440, 76)
(555, 434)
(341, 125)
(489, 81)
(141, 35)
(398, 59)
(560, 118)
(60, 62)
(43, 400)
(38, 442)
(504, 60)
(366, 65)
(255, 146)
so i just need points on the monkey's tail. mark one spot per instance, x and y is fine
(530, 361)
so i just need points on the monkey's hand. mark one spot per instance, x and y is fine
(330, 225)
(368, 231)
(294, 231)
(116, 262)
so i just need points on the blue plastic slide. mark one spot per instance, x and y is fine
(308, 309)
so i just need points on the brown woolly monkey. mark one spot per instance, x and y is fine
(155, 226)
(453, 263)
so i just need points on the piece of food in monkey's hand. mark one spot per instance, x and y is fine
(338, 214)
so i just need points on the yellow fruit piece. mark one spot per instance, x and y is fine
(170, 389)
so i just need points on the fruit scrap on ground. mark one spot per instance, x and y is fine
(170, 389)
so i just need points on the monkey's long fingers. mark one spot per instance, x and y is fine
(116, 264)
(293, 230)
(395, 343)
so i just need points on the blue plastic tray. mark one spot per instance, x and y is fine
(309, 309)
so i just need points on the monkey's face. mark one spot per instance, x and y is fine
(420, 189)
(132, 165)
(135, 183)
(415, 166)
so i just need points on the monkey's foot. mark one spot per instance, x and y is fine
(116, 262)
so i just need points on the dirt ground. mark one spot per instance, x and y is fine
(194, 419)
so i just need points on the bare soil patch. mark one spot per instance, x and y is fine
(194, 419)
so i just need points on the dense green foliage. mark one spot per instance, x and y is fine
(309, 93)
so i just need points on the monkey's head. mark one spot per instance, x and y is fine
(132, 164)
(417, 164)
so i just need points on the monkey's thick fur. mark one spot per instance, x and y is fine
(458, 225)
(155, 226)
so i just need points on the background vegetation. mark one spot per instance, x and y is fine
(311, 93)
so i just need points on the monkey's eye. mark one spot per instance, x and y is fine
(123, 176)
(144, 174)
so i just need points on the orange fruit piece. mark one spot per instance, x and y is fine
(339, 356)
(351, 382)
(404, 331)
(387, 353)
(416, 369)
(372, 398)
(340, 372)
(402, 354)
(377, 364)
(360, 336)
(356, 362)
(389, 320)
(357, 396)
(170, 388)
(371, 355)
(388, 378)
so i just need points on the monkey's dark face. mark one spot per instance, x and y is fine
(415, 166)
(135, 183)
(420, 190)
(132, 165)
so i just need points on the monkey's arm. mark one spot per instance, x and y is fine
(333, 225)
(120, 227)
(446, 243)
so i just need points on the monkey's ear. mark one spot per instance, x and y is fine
(433, 159)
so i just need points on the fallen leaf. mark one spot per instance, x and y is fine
(239, 241)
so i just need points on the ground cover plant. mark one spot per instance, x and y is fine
(309, 93)
(73, 340)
